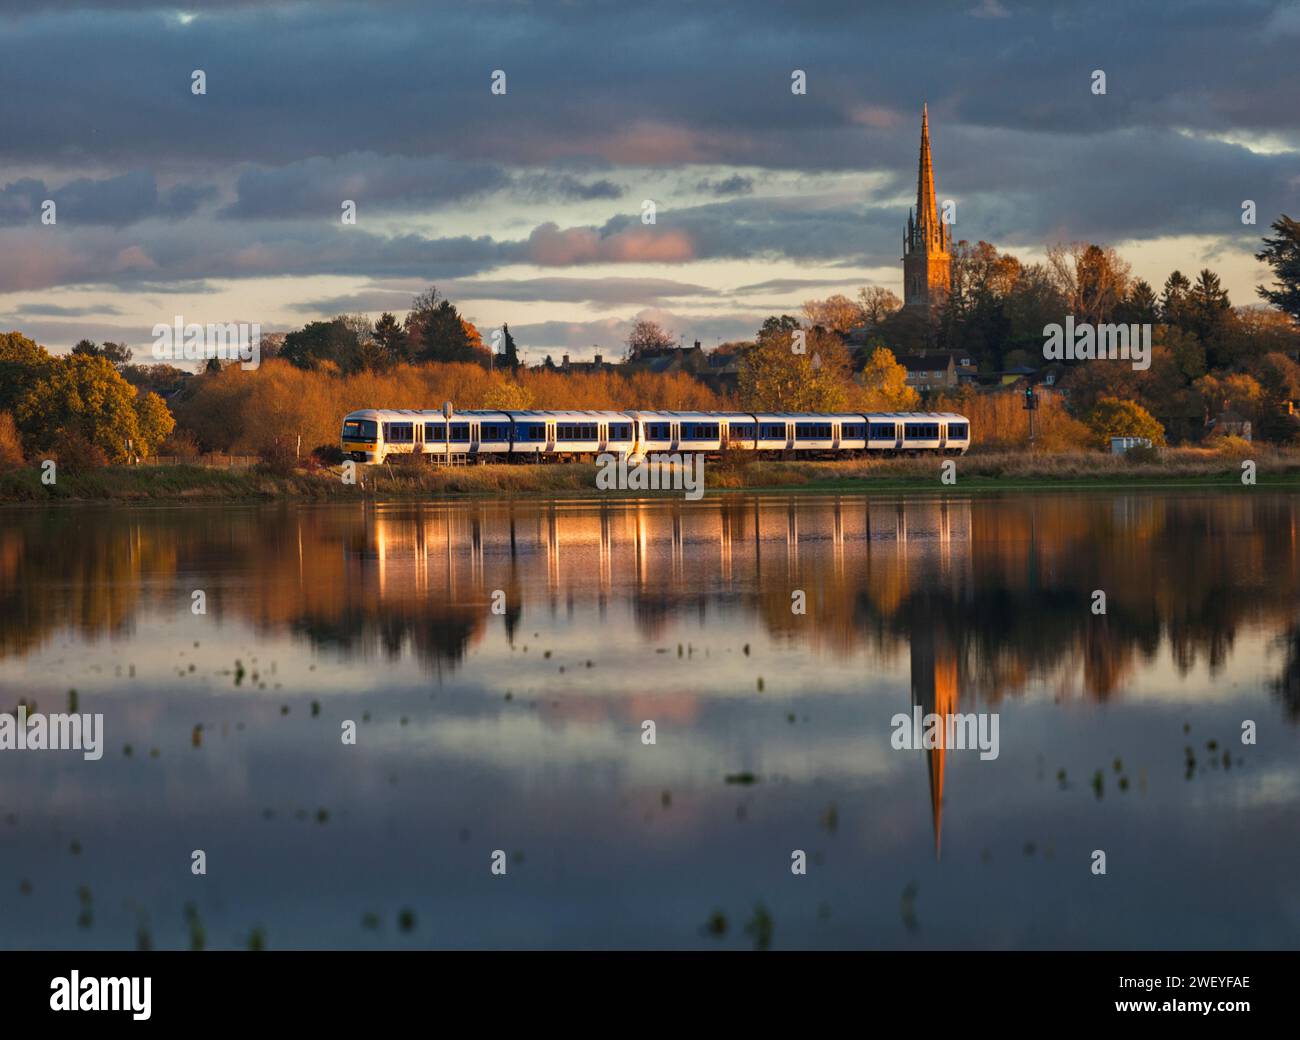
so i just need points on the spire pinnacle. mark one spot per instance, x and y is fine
(927, 210)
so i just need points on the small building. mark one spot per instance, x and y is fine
(1122, 445)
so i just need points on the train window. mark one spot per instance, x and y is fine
(699, 431)
(853, 431)
(360, 430)
(743, 431)
(575, 432)
(772, 431)
(806, 431)
(883, 431)
(530, 432)
(495, 432)
(459, 431)
(435, 432)
(399, 432)
(922, 431)
(958, 431)
(620, 431)
(658, 431)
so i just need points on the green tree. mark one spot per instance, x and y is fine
(1140, 306)
(319, 341)
(445, 336)
(1282, 254)
(511, 351)
(391, 337)
(1210, 317)
(82, 396)
(1112, 417)
(1174, 300)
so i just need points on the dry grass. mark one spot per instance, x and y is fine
(987, 470)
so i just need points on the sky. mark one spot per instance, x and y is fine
(527, 206)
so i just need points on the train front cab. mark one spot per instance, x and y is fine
(956, 436)
(361, 439)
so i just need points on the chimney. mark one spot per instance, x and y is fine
(598, 361)
(565, 362)
(697, 344)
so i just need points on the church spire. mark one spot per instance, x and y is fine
(927, 260)
(929, 229)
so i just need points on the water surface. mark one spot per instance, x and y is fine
(500, 660)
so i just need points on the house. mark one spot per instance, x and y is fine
(1230, 424)
(929, 369)
(669, 359)
(595, 365)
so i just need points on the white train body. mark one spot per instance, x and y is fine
(373, 435)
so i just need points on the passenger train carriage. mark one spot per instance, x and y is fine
(374, 435)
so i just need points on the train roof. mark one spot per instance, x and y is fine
(570, 414)
(579, 415)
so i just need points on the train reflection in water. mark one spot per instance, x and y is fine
(459, 556)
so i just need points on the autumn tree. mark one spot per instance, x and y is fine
(508, 396)
(154, 423)
(22, 363)
(1093, 280)
(782, 375)
(884, 384)
(11, 446)
(1112, 417)
(835, 314)
(877, 303)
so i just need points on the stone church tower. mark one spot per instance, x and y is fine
(927, 247)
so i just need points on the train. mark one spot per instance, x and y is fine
(375, 435)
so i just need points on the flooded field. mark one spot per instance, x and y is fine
(500, 663)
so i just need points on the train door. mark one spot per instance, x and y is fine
(943, 435)
(602, 435)
(550, 436)
(675, 431)
(835, 434)
(473, 437)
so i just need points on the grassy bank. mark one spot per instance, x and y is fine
(976, 472)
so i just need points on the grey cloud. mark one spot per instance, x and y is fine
(112, 201)
(736, 184)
